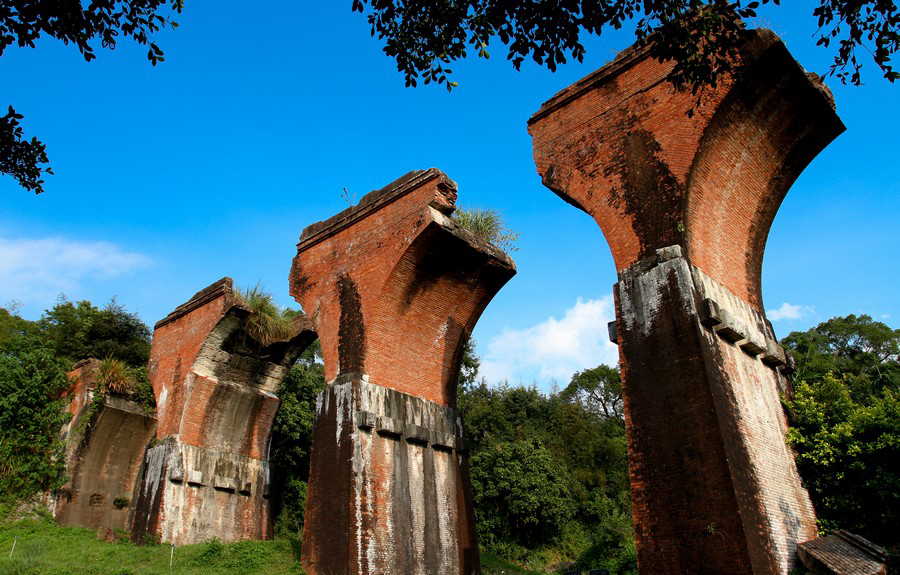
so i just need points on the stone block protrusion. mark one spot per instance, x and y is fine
(613, 334)
(390, 427)
(730, 329)
(417, 434)
(753, 346)
(774, 355)
(710, 314)
(366, 420)
(393, 287)
(668, 253)
(685, 192)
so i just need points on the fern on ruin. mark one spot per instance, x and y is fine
(487, 225)
(267, 323)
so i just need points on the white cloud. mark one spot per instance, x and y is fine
(789, 311)
(35, 271)
(551, 351)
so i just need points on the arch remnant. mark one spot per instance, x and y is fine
(393, 287)
(208, 475)
(105, 442)
(686, 202)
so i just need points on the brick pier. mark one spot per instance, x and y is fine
(393, 287)
(686, 202)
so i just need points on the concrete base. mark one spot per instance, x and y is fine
(389, 491)
(714, 486)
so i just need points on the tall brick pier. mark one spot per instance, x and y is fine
(393, 287)
(685, 203)
(215, 386)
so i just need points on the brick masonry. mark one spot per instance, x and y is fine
(842, 553)
(393, 287)
(215, 388)
(103, 455)
(685, 203)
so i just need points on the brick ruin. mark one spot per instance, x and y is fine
(104, 450)
(393, 287)
(685, 203)
(207, 476)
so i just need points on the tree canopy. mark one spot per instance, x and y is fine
(22, 22)
(863, 352)
(701, 36)
(845, 424)
(79, 330)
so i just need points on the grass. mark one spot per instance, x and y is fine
(44, 548)
(268, 323)
(494, 565)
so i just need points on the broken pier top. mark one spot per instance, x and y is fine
(394, 286)
(204, 342)
(620, 145)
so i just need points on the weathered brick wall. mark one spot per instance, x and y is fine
(103, 459)
(177, 339)
(685, 203)
(393, 287)
(620, 145)
(215, 389)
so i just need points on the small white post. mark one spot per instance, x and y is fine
(16, 540)
(171, 556)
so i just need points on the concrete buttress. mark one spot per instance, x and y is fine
(685, 202)
(393, 287)
(207, 476)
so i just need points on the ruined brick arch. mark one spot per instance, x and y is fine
(442, 283)
(752, 151)
(231, 418)
(208, 474)
(651, 176)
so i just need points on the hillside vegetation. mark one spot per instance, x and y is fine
(549, 470)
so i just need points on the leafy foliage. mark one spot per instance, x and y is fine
(521, 493)
(114, 376)
(863, 352)
(845, 424)
(487, 225)
(292, 440)
(549, 475)
(32, 381)
(20, 158)
(849, 456)
(600, 391)
(22, 22)
(81, 330)
(701, 36)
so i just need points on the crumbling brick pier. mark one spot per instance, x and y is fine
(685, 202)
(215, 386)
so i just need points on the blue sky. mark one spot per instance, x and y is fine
(211, 164)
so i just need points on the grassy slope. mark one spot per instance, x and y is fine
(44, 548)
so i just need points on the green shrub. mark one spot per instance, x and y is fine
(32, 382)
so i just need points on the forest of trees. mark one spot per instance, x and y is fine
(549, 470)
